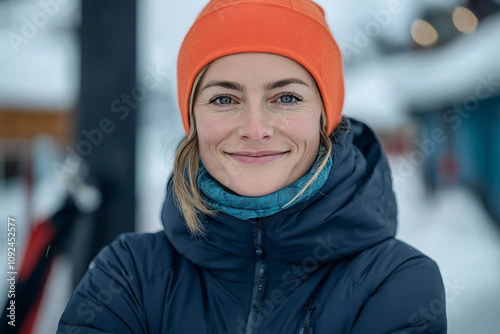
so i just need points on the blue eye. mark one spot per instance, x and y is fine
(286, 99)
(223, 100)
(289, 99)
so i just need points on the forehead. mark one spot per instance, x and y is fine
(255, 68)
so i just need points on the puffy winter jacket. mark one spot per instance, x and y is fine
(328, 265)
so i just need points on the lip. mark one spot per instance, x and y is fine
(258, 157)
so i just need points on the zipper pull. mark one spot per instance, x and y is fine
(307, 328)
(258, 236)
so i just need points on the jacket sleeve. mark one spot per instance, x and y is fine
(108, 298)
(410, 301)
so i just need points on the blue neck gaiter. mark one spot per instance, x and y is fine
(245, 208)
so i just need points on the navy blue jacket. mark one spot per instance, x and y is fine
(329, 265)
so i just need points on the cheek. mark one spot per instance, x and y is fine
(211, 132)
(304, 130)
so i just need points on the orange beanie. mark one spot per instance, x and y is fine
(292, 28)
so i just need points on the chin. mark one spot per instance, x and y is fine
(254, 189)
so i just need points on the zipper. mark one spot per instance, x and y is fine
(255, 315)
(307, 328)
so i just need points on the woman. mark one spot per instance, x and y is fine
(280, 217)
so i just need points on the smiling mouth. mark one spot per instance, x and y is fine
(258, 158)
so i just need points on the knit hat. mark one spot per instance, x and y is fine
(292, 28)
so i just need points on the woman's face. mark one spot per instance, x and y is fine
(258, 122)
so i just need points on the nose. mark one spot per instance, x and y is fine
(256, 124)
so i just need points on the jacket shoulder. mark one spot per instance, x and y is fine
(147, 254)
(116, 292)
(404, 290)
(377, 263)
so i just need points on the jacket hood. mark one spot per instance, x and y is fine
(354, 210)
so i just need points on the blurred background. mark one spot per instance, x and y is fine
(89, 125)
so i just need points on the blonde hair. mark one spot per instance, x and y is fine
(186, 163)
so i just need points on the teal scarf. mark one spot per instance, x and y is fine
(245, 208)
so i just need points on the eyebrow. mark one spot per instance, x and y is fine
(225, 84)
(267, 87)
(283, 83)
